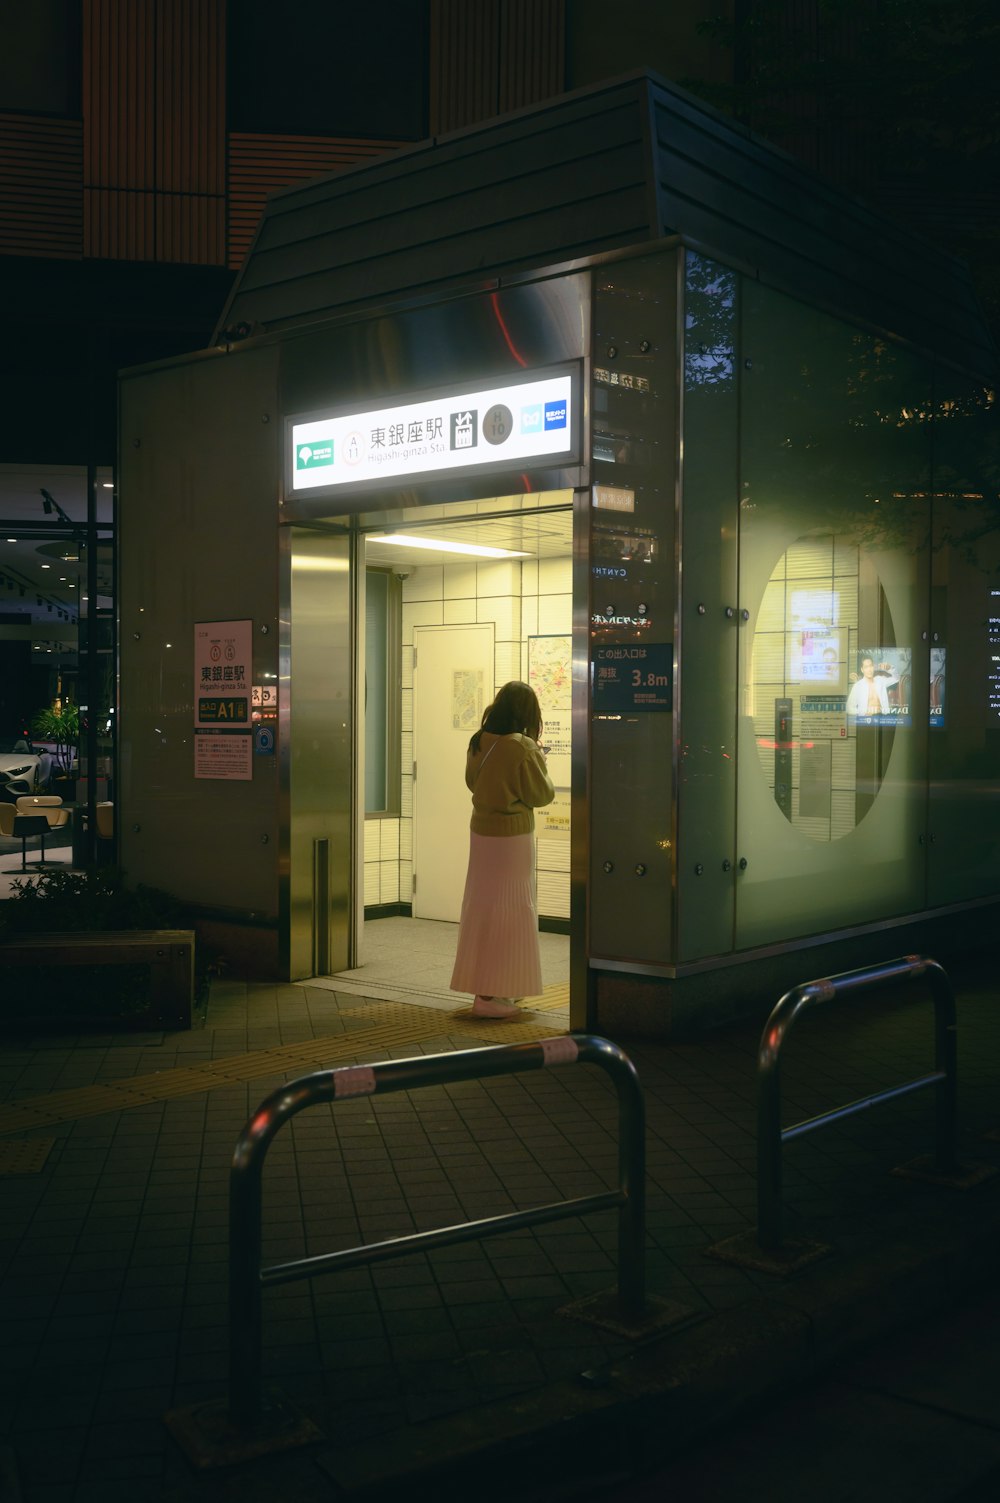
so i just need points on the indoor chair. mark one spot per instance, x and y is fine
(37, 815)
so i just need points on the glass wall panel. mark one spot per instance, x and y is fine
(964, 762)
(709, 623)
(834, 561)
(632, 597)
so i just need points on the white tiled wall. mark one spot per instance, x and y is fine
(522, 600)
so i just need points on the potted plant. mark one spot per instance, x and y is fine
(61, 729)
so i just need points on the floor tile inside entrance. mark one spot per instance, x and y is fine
(412, 958)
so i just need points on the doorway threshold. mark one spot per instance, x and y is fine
(554, 1000)
(411, 959)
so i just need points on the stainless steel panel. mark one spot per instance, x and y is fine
(581, 1012)
(708, 639)
(315, 703)
(633, 601)
(198, 482)
(480, 337)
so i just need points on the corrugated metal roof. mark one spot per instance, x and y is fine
(622, 164)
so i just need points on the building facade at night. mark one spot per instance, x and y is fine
(772, 498)
(610, 396)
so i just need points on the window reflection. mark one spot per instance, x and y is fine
(828, 685)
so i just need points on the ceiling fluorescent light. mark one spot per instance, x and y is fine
(438, 545)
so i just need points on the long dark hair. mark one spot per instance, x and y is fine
(515, 708)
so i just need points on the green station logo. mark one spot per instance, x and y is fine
(318, 451)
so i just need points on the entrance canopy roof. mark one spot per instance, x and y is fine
(629, 162)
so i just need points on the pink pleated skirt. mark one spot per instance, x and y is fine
(498, 953)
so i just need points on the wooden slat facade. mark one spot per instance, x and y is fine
(154, 130)
(118, 129)
(491, 57)
(41, 165)
(190, 155)
(149, 173)
(463, 64)
(532, 61)
(259, 164)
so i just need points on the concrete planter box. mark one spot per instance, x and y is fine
(128, 979)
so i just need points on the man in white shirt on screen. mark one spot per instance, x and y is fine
(869, 695)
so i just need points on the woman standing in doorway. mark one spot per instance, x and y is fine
(498, 957)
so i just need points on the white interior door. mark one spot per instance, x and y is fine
(452, 685)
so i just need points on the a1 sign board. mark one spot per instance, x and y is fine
(534, 418)
(223, 659)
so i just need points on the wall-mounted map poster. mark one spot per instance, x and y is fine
(550, 674)
(467, 699)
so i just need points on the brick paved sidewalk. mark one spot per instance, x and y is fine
(114, 1249)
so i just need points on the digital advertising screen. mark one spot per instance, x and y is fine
(938, 681)
(818, 658)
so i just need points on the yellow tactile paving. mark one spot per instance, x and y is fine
(26, 1157)
(377, 1029)
(553, 998)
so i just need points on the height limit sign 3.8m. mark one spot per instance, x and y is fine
(630, 677)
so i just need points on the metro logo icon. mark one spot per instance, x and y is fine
(555, 415)
(318, 452)
(531, 418)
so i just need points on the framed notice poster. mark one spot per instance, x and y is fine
(223, 730)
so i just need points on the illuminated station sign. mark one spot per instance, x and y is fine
(533, 419)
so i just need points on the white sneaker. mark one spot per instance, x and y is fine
(493, 1007)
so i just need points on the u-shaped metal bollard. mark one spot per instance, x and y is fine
(246, 1276)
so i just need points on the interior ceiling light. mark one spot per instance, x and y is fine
(439, 545)
(107, 485)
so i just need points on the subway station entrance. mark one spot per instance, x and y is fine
(447, 609)
(735, 471)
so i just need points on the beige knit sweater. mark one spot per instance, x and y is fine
(509, 781)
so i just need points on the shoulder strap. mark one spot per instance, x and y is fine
(483, 762)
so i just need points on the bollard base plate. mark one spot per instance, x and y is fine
(209, 1439)
(746, 1252)
(602, 1310)
(963, 1177)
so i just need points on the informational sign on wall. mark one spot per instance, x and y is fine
(630, 677)
(553, 822)
(223, 754)
(532, 419)
(824, 717)
(223, 732)
(264, 716)
(993, 658)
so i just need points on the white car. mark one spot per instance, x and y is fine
(17, 761)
